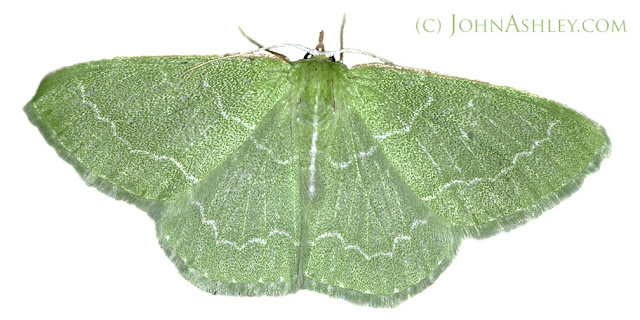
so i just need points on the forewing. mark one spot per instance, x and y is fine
(485, 158)
(238, 230)
(143, 129)
(370, 238)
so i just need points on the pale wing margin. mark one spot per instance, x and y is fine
(486, 158)
(142, 130)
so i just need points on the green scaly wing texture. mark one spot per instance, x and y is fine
(141, 129)
(266, 177)
(237, 231)
(484, 158)
(370, 239)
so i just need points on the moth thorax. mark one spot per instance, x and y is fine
(323, 83)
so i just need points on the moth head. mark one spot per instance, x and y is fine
(320, 49)
(330, 57)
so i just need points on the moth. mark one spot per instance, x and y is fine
(266, 176)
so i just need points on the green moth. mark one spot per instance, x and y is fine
(266, 176)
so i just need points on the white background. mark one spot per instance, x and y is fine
(69, 251)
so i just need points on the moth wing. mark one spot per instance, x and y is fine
(238, 231)
(370, 239)
(485, 158)
(143, 128)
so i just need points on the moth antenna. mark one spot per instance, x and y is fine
(365, 53)
(217, 59)
(261, 46)
(287, 45)
(344, 20)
